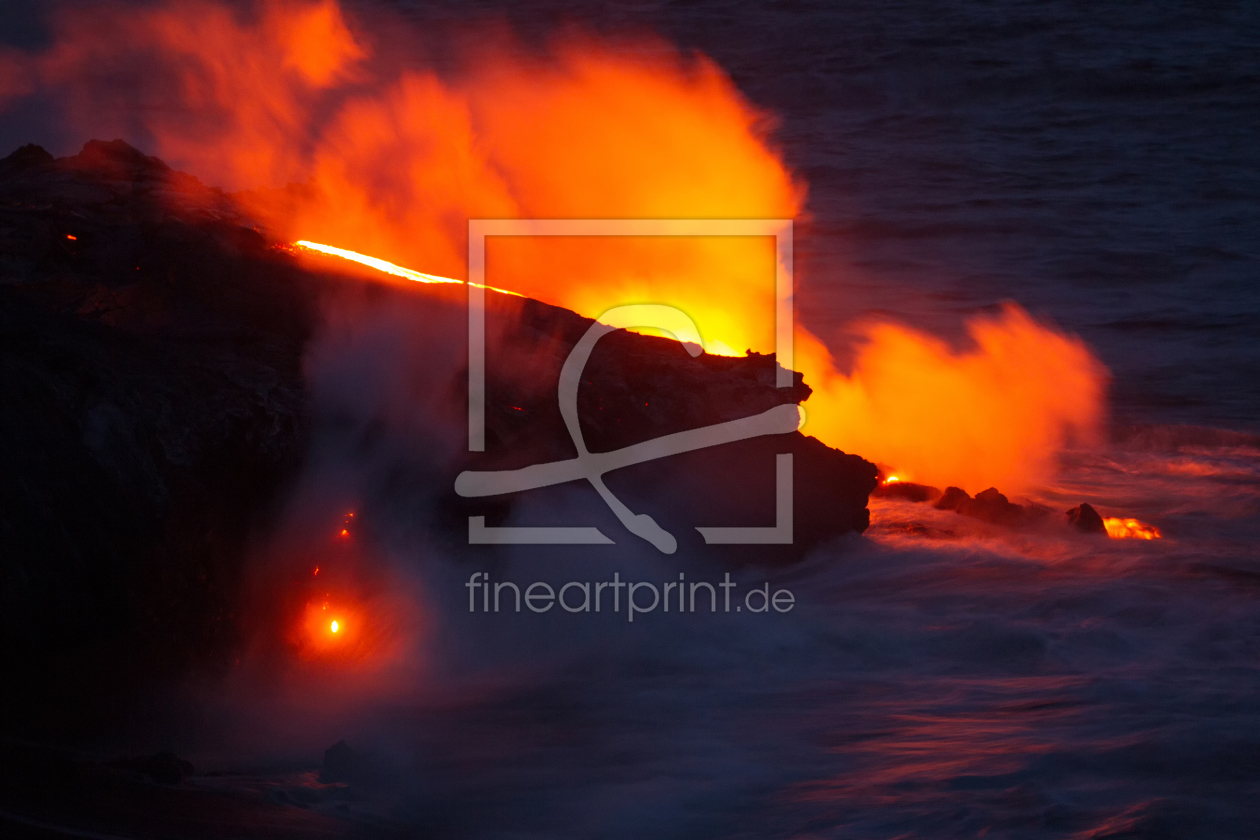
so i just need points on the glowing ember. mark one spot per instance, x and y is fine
(892, 479)
(388, 267)
(331, 628)
(68, 236)
(1130, 529)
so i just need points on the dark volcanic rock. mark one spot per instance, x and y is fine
(28, 157)
(151, 361)
(952, 498)
(339, 763)
(908, 491)
(1085, 518)
(637, 388)
(991, 506)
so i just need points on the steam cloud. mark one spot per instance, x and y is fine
(332, 136)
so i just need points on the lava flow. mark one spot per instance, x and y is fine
(1131, 529)
(389, 267)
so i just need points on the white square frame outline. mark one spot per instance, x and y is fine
(479, 229)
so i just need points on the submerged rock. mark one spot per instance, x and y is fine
(339, 764)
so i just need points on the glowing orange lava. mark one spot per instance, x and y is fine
(1130, 529)
(388, 267)
(328, 630)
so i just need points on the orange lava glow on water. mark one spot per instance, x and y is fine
(329, 630)
(1130, 529)
(339, 613)
(336, 140)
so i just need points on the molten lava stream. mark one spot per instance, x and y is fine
(390, 268)
(1133, 529)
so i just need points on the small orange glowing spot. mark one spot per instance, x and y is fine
(892, 479)
(334, 627)
(317, 570)
(344, 532)
(1120, 528)
(68, 236)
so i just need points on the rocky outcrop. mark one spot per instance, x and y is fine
(637, 388)
(1086, 519)
(952, 498)
(991, 506)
